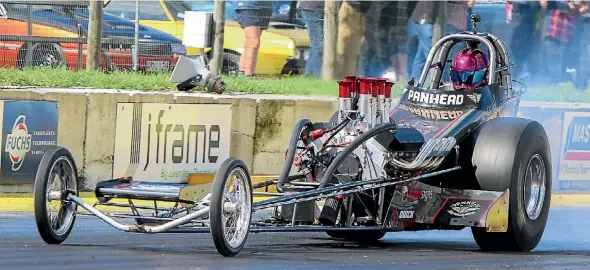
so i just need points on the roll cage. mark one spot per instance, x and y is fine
(499, 75)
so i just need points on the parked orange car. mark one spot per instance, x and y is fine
(52, 25)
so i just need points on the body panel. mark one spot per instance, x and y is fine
(441, 113)
(415, 205)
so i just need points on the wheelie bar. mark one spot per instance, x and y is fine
(343, 189)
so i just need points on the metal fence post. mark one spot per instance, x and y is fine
(136, 39)
(330, 38)
(94, 34)
(219, 20)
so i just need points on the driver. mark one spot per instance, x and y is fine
(469, 69)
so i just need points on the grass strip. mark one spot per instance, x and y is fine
(160, 82)
(286, 85)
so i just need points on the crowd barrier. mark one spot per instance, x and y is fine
(165, 136)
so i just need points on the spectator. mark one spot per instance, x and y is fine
(254, 17)
(560, 22)
(312, 13)
(420, 27)
(398, 35)
(523, 15)
(583, 43)
(351, 25)
(384, 38)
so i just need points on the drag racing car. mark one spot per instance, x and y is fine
(440, 158)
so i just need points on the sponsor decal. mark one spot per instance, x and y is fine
(394, 218)
(436, 114)
(406, 119)
(440, 99)
(425, 127)
(406, 214)
(414, 194)
(410, 194)
(426, 195)
(475, 97)
(18, 142)
(405, 198)
(464, 208)
(29, 129)
(166, 142)
(405, 193)
(575, 156)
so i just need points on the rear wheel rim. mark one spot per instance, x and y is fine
(534, 187)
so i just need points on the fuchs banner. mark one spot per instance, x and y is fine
(165, 142)
(29, 129)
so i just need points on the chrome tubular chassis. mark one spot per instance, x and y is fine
(207, 214)
(195, 218)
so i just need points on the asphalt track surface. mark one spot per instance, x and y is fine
(95, 245)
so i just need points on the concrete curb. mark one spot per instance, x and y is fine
(259, 130)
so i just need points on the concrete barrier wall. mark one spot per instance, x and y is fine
(260, 124)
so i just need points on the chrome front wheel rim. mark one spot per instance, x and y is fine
(62, 180)
(237, 208)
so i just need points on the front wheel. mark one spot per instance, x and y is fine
(56, 178)
(231, 207)
(514, 154)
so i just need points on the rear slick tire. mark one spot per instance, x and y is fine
(514, 154)
(242, 206)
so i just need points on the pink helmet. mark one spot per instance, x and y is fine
(469, 69)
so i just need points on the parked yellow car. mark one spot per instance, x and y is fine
(283, 50)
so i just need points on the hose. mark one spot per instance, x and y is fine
(351, 147)
(336, 130)
(295, 136)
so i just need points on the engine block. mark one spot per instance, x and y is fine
(366, 103)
